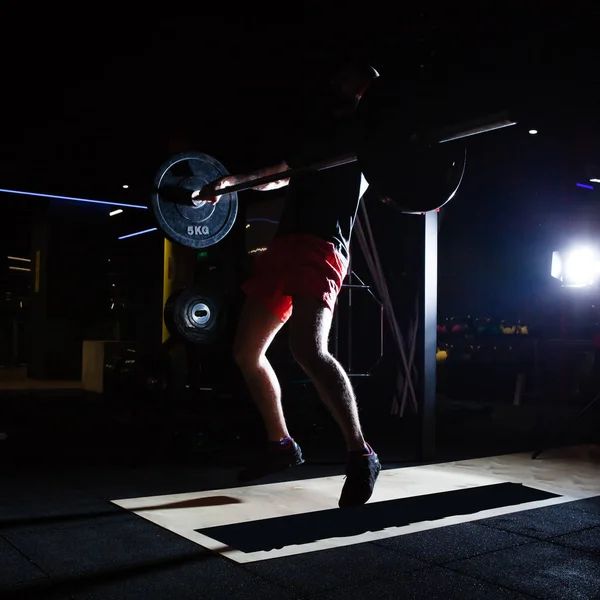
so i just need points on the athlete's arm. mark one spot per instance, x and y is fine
(230, 180)
(281, 167)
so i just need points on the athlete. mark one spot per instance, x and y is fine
(298, 278)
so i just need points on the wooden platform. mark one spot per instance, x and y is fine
(296, 517)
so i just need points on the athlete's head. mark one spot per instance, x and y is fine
(349, 82)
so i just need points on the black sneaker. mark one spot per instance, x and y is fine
(274, 459)
(362, 471)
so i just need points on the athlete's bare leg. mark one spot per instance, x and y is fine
(256, 330)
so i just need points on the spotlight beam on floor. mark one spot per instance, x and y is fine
(69, 198)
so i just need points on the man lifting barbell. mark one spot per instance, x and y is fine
(298, 278)
(415, 171)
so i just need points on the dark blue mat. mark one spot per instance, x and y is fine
(270, 534)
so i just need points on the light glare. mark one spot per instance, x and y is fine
(72, 199)
(533, 131)
(18, 258)
(557, 268)
(262, 220)
(124, 237)
(115, 212)
(579, 267)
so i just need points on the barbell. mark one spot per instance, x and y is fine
(412, 171)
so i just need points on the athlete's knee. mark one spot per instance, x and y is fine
(245, 355)
(307, 350)
(248, 353)
(256, 329)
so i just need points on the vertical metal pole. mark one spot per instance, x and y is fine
(168, 278)
(364, 185)
(336, 331)
(350, 281)
(427, 334)
(563, 353)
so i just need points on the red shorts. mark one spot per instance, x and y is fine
(297, 264)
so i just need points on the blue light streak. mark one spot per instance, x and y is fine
(262, 220)
(583, 185)
(73, 199)
(124, 237)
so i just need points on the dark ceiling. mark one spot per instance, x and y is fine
(90, 101)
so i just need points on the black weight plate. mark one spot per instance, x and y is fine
(195, 227)
(412, 176)
(197, 314)
(169, 312)
(414, 179)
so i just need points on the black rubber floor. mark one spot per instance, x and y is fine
(61, 538)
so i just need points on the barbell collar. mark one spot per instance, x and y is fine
(179, 190)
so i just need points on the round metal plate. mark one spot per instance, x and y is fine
(195, 227)
(412, 176)
(429, 177)
(196, 314)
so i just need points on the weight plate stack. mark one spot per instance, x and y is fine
(197, 314)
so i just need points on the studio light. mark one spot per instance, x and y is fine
(585, 186)
(19, 269)
(115, 212)
(533, 131)
(577, 267)
(18, 258)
